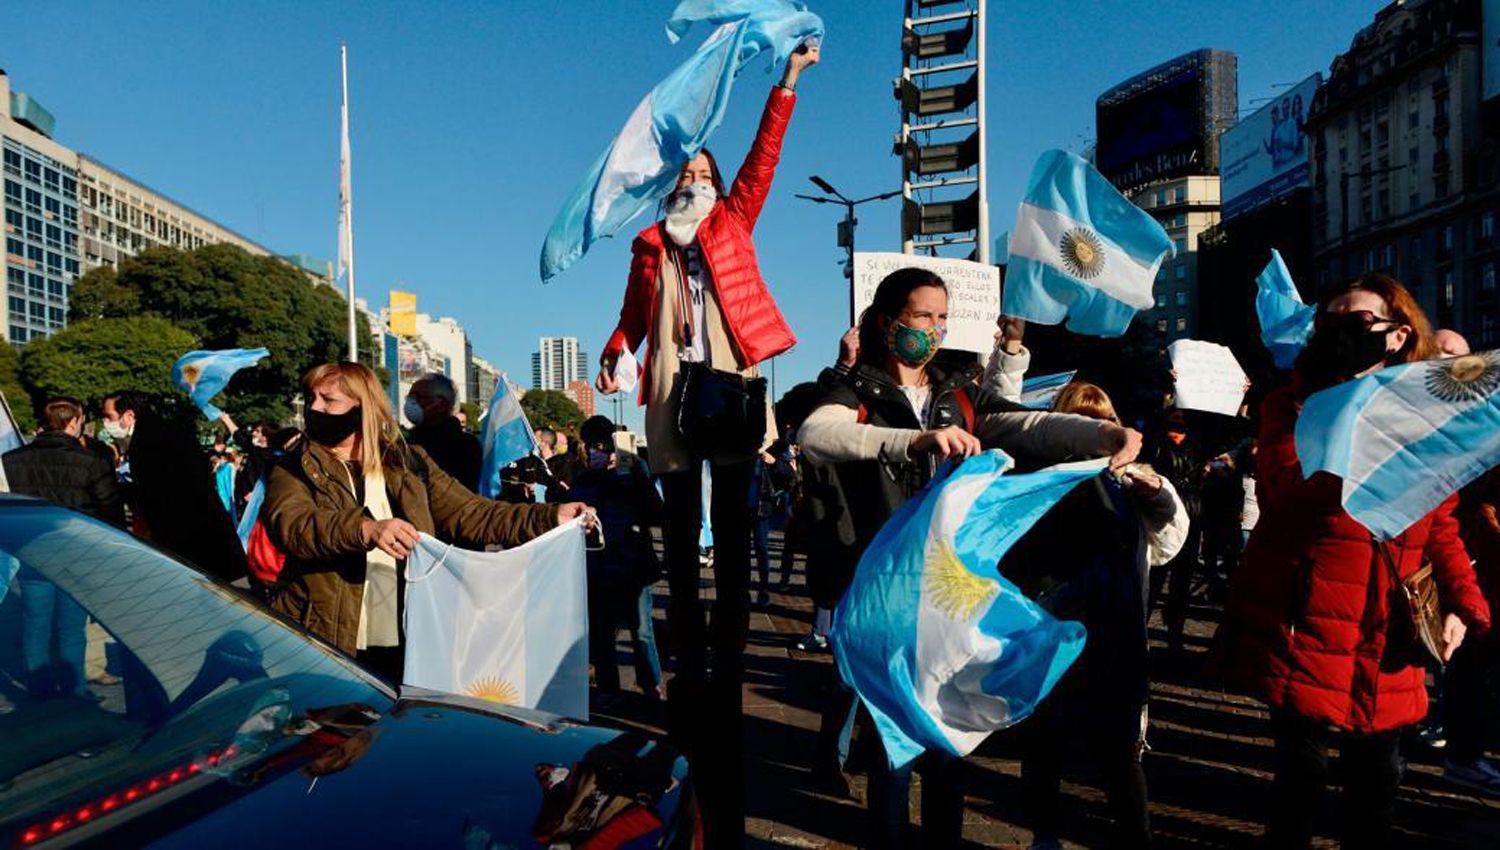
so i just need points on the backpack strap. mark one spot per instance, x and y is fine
(965, 407)
(862, 414)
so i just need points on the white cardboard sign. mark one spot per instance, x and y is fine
(973, 293)
(1208, 377)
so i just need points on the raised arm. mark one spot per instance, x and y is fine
(752, 183)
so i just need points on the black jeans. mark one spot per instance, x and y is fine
(706, 709)
(1113, 735)
(888, 801)
(1371, 766)
(1177, 574)
(1469, 698)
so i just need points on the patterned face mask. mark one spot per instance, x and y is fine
(914, 346)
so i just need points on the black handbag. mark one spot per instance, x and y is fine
(721, 412)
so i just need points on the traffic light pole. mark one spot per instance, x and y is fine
(846, 227)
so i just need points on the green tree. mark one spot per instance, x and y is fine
(551, 409)
(228, 298)
(97, 356)
(11, 386)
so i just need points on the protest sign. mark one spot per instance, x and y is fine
(973, 294)
(1208, 377)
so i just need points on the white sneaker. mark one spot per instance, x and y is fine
(1479, 775)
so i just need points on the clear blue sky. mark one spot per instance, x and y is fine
(471, 121)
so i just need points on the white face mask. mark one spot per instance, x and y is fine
(412, 410)
(117, 431)
(686, 209)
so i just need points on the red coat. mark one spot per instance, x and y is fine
(756, 326)
(1306, 622)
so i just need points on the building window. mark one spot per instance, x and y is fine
(1181, 272)
(13, 191)
(33, 171)
(17, 305)
(1180, 244)
(1181, 324)
(1161, 326)
(1180, 196)
(1412, 120)
(13, 218)
(1161, 300)
(1487, 226)
(12, 161)
(1161, 198)
(1487, 277)
(1181, 298)
(17, 334)
(55, 316)
(1448, 237)
(1448, 288)
(38, 311)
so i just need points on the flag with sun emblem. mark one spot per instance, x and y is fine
(1080, 251)
(941, 648)
(510, 627)
(1405, 438)
(204, 374)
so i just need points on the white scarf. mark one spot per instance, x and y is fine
(377, 610)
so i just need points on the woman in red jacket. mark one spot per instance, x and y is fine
(1313, 627)
(696, 296)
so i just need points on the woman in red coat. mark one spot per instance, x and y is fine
(1313, 627)
(696, 296)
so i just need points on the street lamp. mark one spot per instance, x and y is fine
(846, 227)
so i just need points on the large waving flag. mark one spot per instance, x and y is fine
(507, 437)
(674, 121)
(1080, 251)
(508, 626)
(1285, 322)
(203, 374)
(942, 649)
(1405, 438)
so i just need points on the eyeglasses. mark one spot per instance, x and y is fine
(1365, 317)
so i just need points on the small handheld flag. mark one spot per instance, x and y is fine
(204, 374)
(507, 437)
(942, 648)
(1038, 393)
(674, 121)
(1081, 252)
(1405, 438)
(1285, 322)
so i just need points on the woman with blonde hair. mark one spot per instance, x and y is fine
(348, 507)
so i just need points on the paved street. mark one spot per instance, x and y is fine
(1208, 768)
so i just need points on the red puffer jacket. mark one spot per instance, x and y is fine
(1308, 615)
(756, 326)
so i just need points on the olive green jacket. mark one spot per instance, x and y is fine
(312, 515)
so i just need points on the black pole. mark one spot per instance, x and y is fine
(849, 217)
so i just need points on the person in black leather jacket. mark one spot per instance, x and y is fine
(55, 466)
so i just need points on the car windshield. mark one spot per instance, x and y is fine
(127, 678)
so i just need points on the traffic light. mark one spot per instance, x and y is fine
(846, 232)
(937, 218)
(937, 158)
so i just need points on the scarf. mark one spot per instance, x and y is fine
(378, 625)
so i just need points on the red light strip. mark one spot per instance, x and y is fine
(74, 818)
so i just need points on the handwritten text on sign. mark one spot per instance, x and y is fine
(1208, 377)
(973, 294)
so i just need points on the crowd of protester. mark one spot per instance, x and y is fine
(1196, 513)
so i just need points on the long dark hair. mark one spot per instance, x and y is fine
(890, 299)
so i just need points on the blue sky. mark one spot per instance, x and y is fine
(472, 121)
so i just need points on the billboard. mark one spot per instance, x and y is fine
(403, 313)
(1165, 122)
(1265, 156)
(1489, 54)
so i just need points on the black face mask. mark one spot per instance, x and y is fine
(1343, 346)
(330, 429)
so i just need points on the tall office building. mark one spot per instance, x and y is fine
(66, 213)
(557, 362)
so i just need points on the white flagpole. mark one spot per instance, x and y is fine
(346, 208)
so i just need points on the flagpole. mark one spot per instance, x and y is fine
(983, 231)
(346, 206)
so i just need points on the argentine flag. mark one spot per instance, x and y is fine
(507, 437)
(1285, 322)
(1405, 438)
(941, 648)
(1038, 393)
(1080, 251)
(510, 626)
(204, 374)
(674, 121)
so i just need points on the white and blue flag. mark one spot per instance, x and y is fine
(204, 374)
(941, 648)
(1285, 322)
(1038, 393)
(507, 437)
(675, 120)
(1081, 252)
(510, 627)
(1405, 438)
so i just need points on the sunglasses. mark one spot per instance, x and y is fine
(1364, 317)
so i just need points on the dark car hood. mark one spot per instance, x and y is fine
(438, 771)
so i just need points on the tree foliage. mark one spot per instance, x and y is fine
(94, 357)
(15, 393)
(226, 297)
(551, 409)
